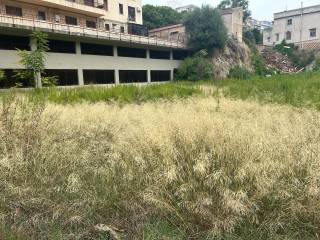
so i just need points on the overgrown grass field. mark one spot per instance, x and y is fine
(177, 162)
(300, 90)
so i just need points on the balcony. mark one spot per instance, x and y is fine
(51, 27)
(88, 9)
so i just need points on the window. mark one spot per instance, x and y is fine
(71, 20)
(89, 3)
(158, 54)
(288, 35)
(66, 77)
(122, 29)
(180, 54)
(58, 46)
(289, 21)
(132, 52)
(96, 49)
(160, 76)
(132, 14)
(277, 37)
(91, 24)
(14, 11)
(8, 42)
(107, 26)
(120, 8)
(269, 39)
(106, 7)
(41, 16)
(98, 77)
(313, 32)
(130, 76)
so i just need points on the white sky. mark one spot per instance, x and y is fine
(261, 9)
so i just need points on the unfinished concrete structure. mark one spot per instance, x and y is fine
(91, 41)
(233, 20)
(299, 26)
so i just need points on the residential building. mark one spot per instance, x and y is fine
(91, 41)
(187, 8)
(233, 20)
(299, 26)
(256, 24)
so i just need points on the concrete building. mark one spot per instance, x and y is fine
(187, 8)
(299, 26)
(256, 24)
(233, 20)
(91, 41)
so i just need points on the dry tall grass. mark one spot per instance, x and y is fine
(244, 171)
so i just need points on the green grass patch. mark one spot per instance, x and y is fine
(300, 90)
(119, 94)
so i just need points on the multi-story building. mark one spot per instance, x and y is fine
(91, 41)
(232, 17)
(299, 26)
(187, 8)
(256, 24)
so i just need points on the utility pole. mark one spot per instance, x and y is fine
(301, 24)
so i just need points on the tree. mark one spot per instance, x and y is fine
(198, 67)
(159, 16)
(34, 61)
(205, 29)
(236, 3)
(254, 36)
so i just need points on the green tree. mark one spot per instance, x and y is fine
(254, 36)
(198, 67)
(236, 3)
(2, 75)
(205, 29)
(34, 61)
(159, 16)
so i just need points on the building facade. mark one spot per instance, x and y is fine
(91, 41)
(233, 20)
(256, 24)
(298, 26)
(187, 8)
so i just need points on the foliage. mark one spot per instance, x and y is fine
(159, 16)
(257, 60)
(300, 90)
(119, 94)
(247, 172)
(239, 73)
(254, 36)
(34, 61)
(198, 67)
(300, 58)
(237, 3)
(2, 75)
(205, 29)
(316, 66)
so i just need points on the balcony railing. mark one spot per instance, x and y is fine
(85, 7)
(19, 22)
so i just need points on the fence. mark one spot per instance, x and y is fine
(20, 22)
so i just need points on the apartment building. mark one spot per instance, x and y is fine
(233, 20)
(299, 26)
(187, 8)
(91, 41)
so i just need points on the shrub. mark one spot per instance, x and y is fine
(2, 75)
(239, 73)
(198, 67)
(316, 66)
(205, 29)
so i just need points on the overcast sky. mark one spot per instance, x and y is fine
(261, 9)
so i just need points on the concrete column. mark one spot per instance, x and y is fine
(116, 71)
(171, 75)
(37, 76)
(171, 54)
(116, 76)
(149, 75)
(80, 77)
(78, 48)
(148, 53)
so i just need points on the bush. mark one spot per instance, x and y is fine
(205, 29)
(198, 67)
(316, 66)
(239, 73)
(300, 58)
(2, 75)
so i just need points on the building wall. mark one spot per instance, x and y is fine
(112, 14)
(302, 22)
(233, 20)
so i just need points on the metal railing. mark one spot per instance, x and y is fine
(32, 24)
